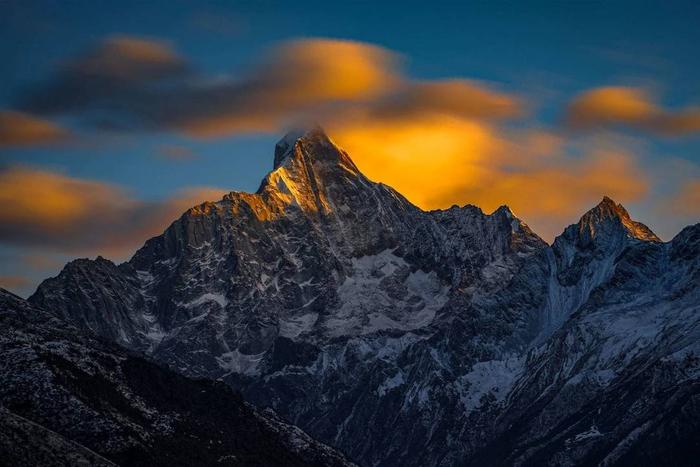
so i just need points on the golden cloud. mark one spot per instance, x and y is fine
(632, 107)
(315, 80)
(679, 123)
(20, 129)
(549, 197)
(610, 105)
(296, 80)
(325, 69)
(424, 159)
(438, 142)
(47, 201)
(458, 98)
(440, 161)
(71, 214)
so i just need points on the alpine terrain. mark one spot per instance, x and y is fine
(70, 398)
(400, 337)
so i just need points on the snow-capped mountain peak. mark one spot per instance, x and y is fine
(451, 335)
(312, 173)
(310, 146)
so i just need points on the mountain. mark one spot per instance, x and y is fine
(406, 337)
(69, 398)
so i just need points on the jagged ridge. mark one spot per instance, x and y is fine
(408, 337)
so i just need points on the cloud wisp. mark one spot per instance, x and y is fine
(619, 106)
(107, 81)
(20, 129)
(66, 214)
(129, 83)
(440, 142)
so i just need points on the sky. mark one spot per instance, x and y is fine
(115, 117)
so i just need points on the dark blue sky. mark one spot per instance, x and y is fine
(544, 52)
(546, 49)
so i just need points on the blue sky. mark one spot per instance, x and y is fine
(545, 54)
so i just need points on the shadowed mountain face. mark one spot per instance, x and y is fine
(407, 337)
(69, 398)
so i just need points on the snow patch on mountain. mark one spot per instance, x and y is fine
(293, 327)
(208, 297)
(381, 292)
(494, 378)
(237, 362)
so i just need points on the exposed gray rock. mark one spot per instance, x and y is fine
(407, 337)
(70, 398)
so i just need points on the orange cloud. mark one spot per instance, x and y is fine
(52, 202)
(609, 106)
(70, 214)
(424, 158)
(680, 123)
(20, 129)
(687, 201)
(296, 80)
(458, 98)
(632, 107)
(319, 79)
(325, 69)
(440, 161)
(550, 197)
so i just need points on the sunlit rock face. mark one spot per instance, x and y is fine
(407, 337)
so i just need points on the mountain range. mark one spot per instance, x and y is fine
(396, 335)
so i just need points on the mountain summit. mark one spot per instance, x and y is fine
(405, 337)
(312, 145)
(609, 212)
(311, 172)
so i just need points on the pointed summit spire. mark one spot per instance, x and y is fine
(311, 171)
(313, 145)
(285, 146)
(608, 215)
(606, 209)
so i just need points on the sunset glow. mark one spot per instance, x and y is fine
(119, 119)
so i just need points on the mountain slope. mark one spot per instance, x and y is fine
(401, 336)
(25, 443)
(67, 397)
(619, 382)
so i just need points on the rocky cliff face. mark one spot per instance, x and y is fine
(407, 337)
(69, 398)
